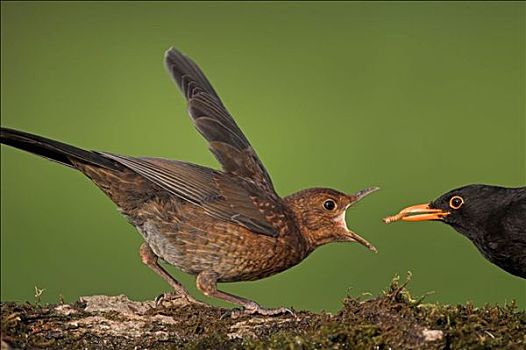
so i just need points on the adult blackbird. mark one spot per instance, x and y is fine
(222, 226)
(492, 217)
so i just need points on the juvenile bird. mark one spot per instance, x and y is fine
(492, 217)
(220, 225)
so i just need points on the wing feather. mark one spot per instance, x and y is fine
(215, 123)
(217, 193)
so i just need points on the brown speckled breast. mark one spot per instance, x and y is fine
(185, 236)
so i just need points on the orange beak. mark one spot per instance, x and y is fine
(421, 212)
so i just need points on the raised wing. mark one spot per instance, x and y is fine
(211, 118)
(214, 191)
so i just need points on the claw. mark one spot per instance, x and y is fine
(231, 313)
(174, 298)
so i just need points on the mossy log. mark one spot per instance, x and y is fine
(393, 320)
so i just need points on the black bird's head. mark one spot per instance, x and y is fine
(467, 209)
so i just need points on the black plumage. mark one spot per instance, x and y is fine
(492, 217)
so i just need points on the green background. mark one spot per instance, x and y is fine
(417, 98)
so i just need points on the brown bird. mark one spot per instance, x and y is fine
(222, 226)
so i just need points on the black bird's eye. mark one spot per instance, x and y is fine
(456, 202)
(329, 204)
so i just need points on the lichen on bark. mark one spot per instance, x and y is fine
(393, 320)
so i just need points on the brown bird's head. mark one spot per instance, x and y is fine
(320, 213)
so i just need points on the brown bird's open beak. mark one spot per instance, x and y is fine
(358, 196)
(352, 236)
(420, 212)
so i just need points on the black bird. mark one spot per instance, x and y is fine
(492, 217)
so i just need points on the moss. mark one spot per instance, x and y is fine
(391, 320)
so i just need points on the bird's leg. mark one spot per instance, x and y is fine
(207, 283)
(149, 258)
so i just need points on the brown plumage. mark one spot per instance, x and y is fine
(221, 226)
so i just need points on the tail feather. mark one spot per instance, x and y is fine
(54, 150)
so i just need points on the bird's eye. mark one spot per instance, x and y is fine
(329, 204)
(456, 202)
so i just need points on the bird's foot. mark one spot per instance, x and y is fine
(255, 309)
(173, 298)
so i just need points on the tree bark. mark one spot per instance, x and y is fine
(393, 320)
